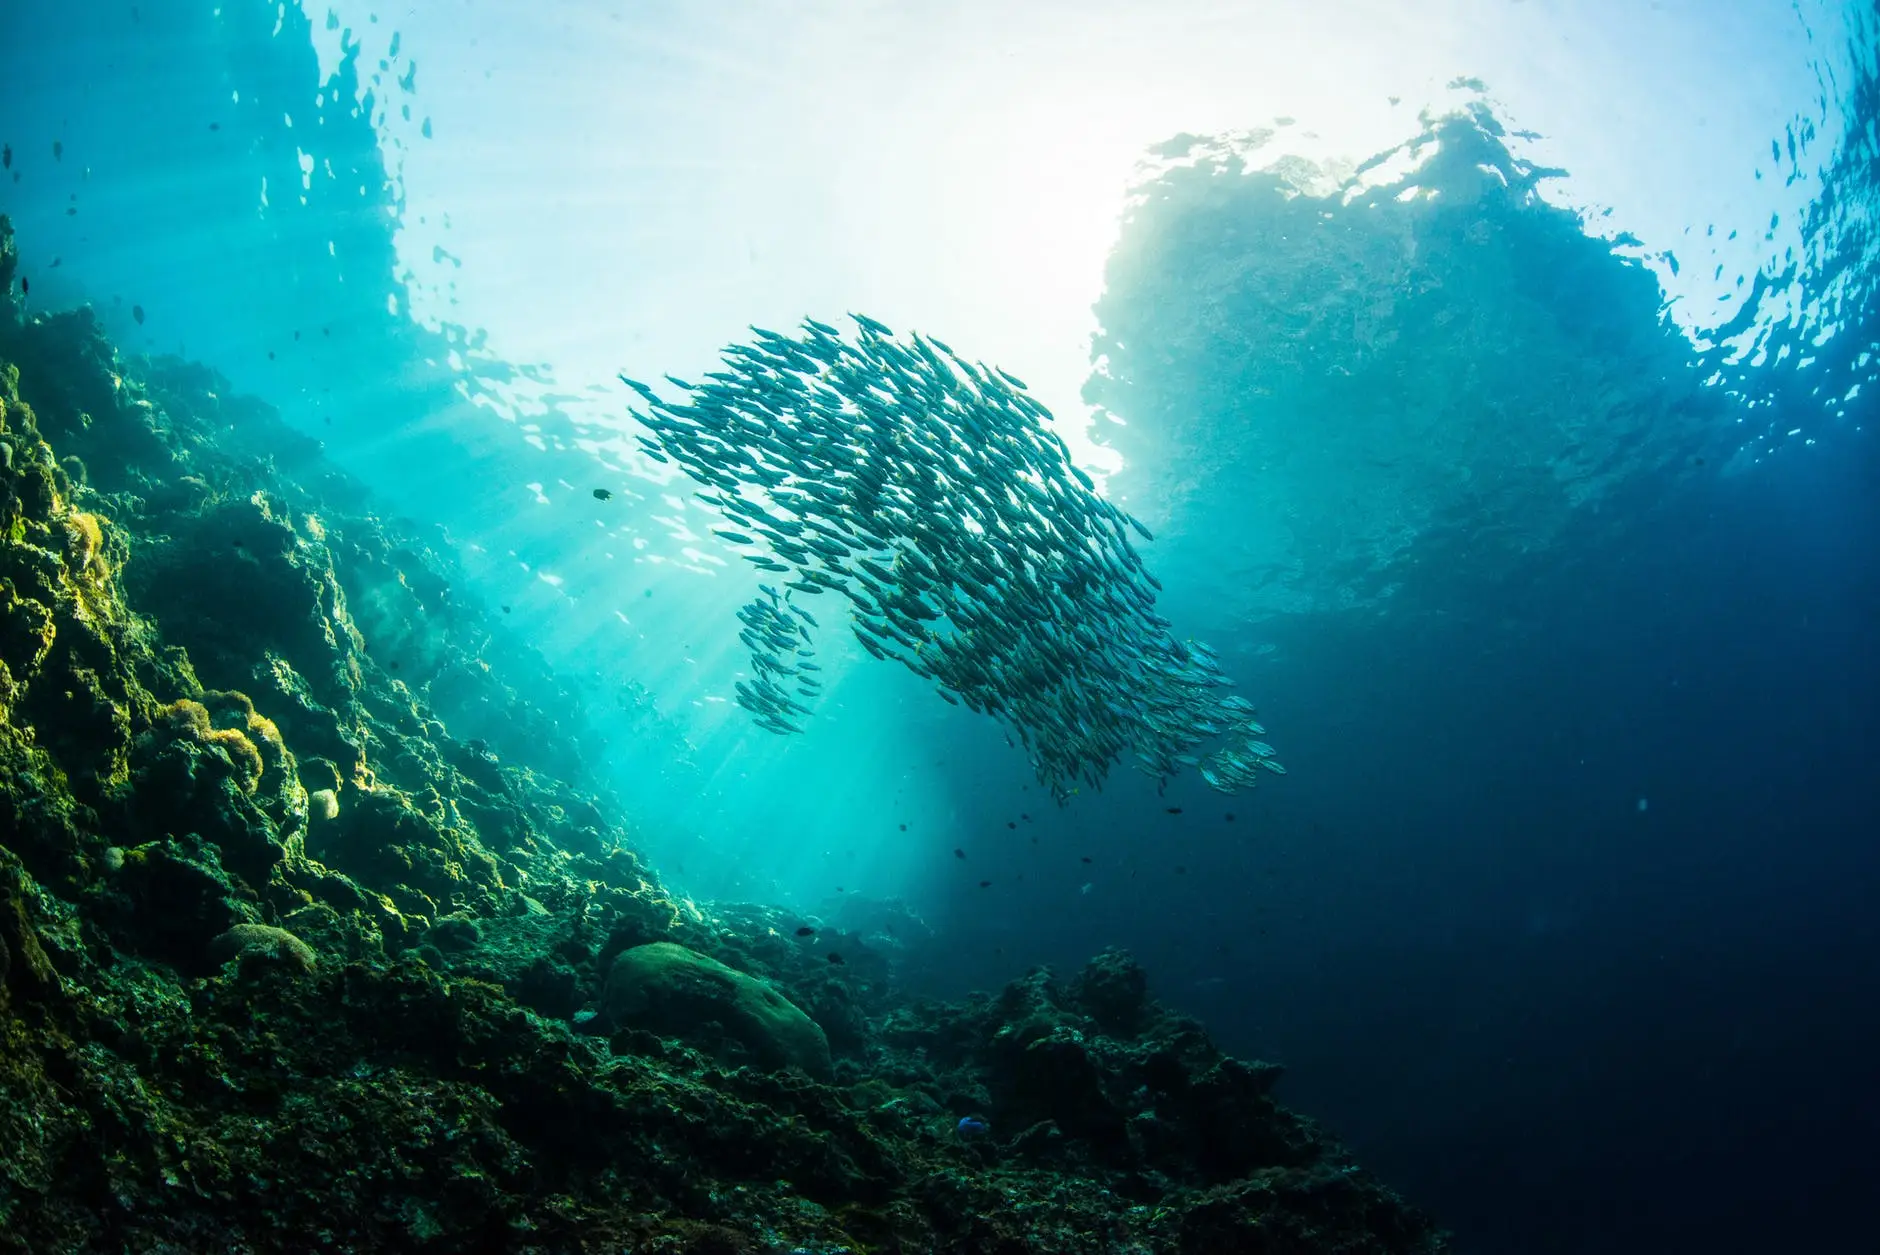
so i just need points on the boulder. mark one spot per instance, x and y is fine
(667, 989)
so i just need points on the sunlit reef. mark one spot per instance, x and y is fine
(928, 494)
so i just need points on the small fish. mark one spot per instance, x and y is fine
(58, 151)
(137, 312)
(958, 853)
(806, 931)
(985, 884)
(835, 958)
(640, 388)
(6, 157)
(603, 494)
(1085, 859)
(932, 494)
(972, 1126)
(505, 609)
(1173, 810)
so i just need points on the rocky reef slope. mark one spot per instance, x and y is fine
(313, 936)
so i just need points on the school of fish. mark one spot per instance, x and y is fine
(928, 494)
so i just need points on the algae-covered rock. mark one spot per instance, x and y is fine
(1114, 990)
(667, 988)
(261, 944)
(24, 967)
(169, 900)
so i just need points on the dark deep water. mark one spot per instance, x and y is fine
(1564, 914)
(1566, 1024)
(1591, 1028)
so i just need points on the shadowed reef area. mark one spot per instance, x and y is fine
(316, 934)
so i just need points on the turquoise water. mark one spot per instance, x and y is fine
(1491, 384)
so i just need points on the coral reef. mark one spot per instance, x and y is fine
(315, 936)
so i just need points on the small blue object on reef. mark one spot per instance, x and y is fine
(972, 1126)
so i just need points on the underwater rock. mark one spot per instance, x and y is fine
(169, 900)
(454, 932)
(548, 987)
(188, 775)
(1156, 1096)
(24, 968)
(191, 718)
(237, 583)
(425, 859)
(1055, 1078)
(264, 944)
(666, 988)
(1114, 990)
